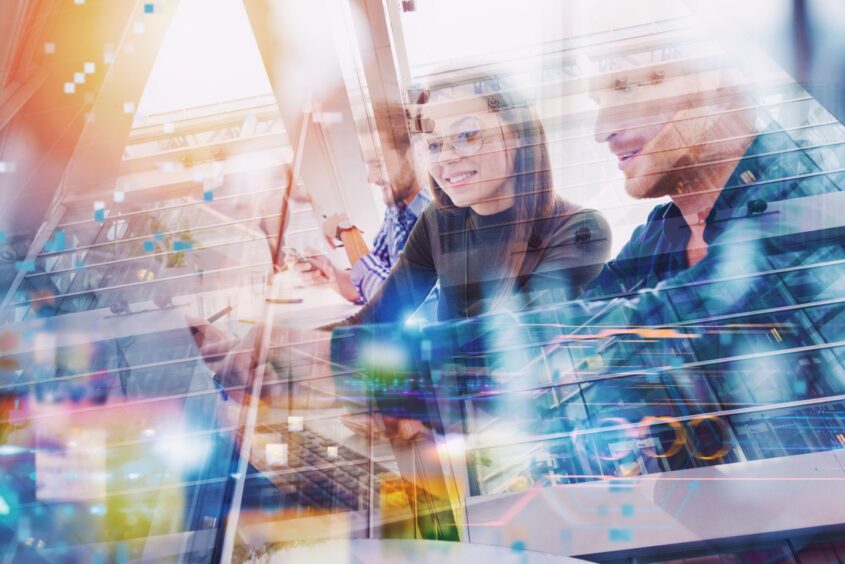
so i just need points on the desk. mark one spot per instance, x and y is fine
(320, 304)
(406, 551)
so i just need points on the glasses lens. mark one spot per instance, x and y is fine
(465, 138)
(466, 141)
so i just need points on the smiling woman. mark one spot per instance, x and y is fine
(498, 236)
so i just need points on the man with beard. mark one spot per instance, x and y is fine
(405, 201)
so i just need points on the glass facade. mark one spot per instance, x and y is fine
(122, 438)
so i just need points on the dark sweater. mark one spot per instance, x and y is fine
(459, 247)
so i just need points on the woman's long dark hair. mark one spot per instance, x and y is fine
(534, 196)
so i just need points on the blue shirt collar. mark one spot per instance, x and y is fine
(752, 180)
(419, 203)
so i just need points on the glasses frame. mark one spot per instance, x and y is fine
(444, 140)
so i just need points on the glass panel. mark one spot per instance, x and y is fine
(786, 432)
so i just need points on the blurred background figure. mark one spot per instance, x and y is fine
(405, 201)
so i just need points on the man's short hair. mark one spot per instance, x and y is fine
(392, 125)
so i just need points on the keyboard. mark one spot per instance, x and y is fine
(312, 473)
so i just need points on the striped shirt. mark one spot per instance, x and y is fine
(372, 269)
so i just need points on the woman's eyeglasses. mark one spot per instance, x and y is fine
(466, 139)
(463, 143)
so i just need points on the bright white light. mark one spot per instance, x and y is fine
(440, 31)
(415, 321)
(385, 356)
(209, 55)
(455, 445)
(183, 452)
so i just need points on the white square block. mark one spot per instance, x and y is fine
(79, 77)
(119, 196)
(49, 48)
(276, 454)
(169, 127)
(138, 28)
(128, 107)
(296, 423)
(90, 68)
(70, 88)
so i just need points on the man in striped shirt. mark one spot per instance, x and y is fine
(405, 202)
(368, 274)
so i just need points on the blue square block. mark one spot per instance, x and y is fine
(208, 196)
(149, 246)
(57, 243)
(621, 535)
(121, 553)
(627, 510)
(617, 486)
(158, 236)
(99, 216)
(182, 245)
(25, 266)
(149, 8)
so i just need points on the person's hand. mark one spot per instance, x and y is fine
(321, 262)
(316, 269)
(230, 358)
(324, 270)
(384, 427)
(205, 332)
(404, 429)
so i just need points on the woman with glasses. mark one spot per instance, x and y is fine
(497, 235)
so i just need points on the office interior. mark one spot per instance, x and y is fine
(170, 160)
